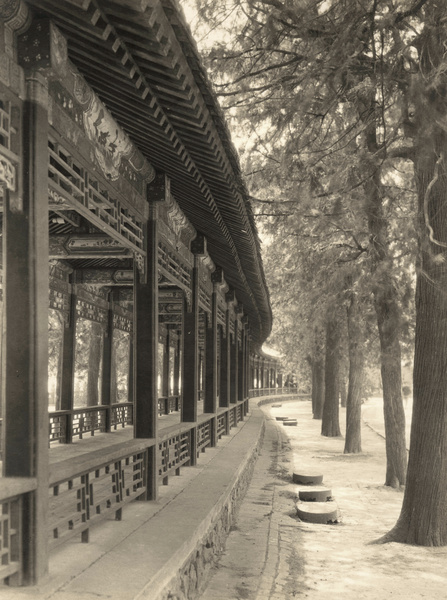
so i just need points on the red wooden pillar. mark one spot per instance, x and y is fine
(190, 369)
(130, 370)
(177, 367)
(68, 361)
(107, 383)
(241, 361)
(234, 363)
(165, 377)
(225, 353)
(146, 332)
(25, 367)
(211, 375)
(191, 340)
(210, 399)
(247, 368)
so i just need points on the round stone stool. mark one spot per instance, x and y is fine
(315, 494)
(317, 512)
(307, 478)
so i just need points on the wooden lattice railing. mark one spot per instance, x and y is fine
(257, 392)
(174, 452)
(13, 513)
(78, 499)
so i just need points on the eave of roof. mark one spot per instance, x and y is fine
(141, 60)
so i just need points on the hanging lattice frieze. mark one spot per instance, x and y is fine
(7, 175)
(122, 323)
(175, 267)
(72, 186)
(92, 307)
(10, 118)
(221, 314)
(204, 297)
(91, 312)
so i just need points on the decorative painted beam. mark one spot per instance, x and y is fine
(86, 246)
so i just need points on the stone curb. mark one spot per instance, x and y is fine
(194, 557)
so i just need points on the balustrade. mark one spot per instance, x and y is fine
(167, 405)
(203, 436)
(173, 453)
(222, 425)
(80, 499)
(77, 502)
(122, 414)
(13, 515)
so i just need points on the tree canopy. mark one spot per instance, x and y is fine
(342, 108)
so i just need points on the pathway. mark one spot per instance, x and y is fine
(271, 555)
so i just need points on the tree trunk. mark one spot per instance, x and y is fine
(388, 321)
(343, 391)
(353, 439)
(330, 425)
(385, 303)
(94, 363)
(318, 369)
(423, 519)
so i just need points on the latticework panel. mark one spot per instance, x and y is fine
(221, 425)
(9, 538)
(89, 421)
(203, 435)
(72, 186)
(122, 414)
(231, 417)
(174, 452)
(68, 508)
(76, 503)
(58, 427)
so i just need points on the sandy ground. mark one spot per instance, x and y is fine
(338, 561)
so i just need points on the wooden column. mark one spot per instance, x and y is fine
(225, 354)
(146, 332)
(241, 363)
(165, 377)
(130, 371)
(177, 366)
(25, 372)
(107, 385)
(247, 369)
(166, 352)
(68, 361)
(210, 405)
(191, 339)
(234, 365)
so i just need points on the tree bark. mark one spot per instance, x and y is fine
(330, 425)
(386, 303)
(317, 365)
(353, 439)
(94, 362)
(423, 519)
(343, 390)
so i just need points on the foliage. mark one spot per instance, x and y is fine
(292, 78)
(347, 100)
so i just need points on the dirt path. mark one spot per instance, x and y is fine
(271, 555)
